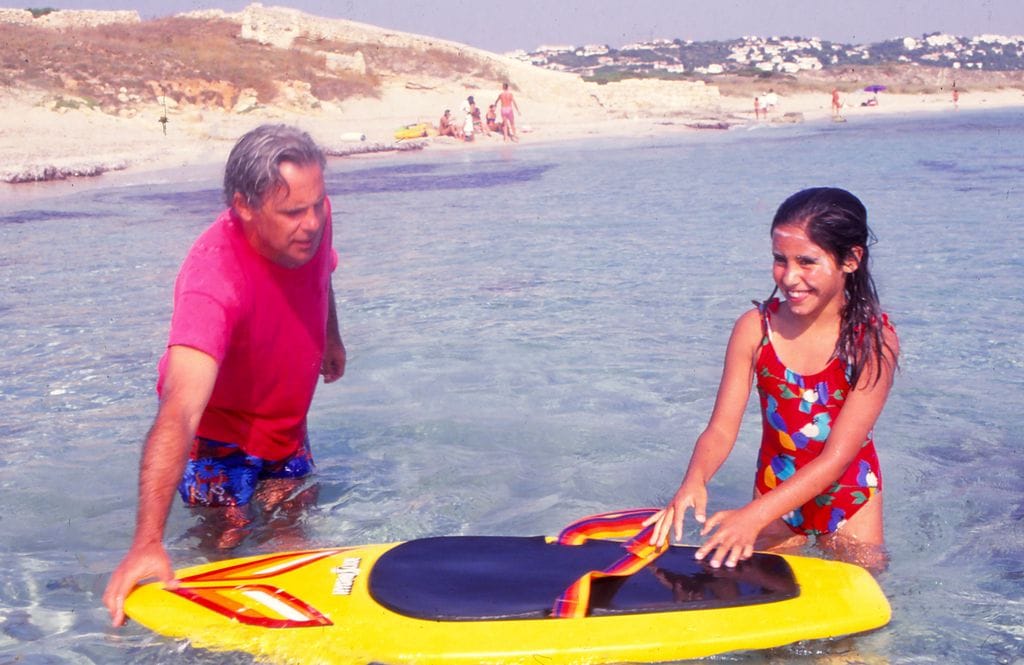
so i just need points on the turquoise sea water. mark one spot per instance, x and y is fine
(535, 334)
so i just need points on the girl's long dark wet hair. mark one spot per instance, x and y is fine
(836, 220)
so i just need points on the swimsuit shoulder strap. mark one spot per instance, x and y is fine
(766, 308)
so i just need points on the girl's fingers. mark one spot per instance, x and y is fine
(700, 506)
(706, 548)
(658, 520)
(711, 522)
(664, 526)
(653, 518)
(730, 554)
(712, 542)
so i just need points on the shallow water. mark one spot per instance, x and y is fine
(535, 334)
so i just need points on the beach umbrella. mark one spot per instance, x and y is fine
(874, 88)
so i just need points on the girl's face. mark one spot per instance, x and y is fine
(808, 276)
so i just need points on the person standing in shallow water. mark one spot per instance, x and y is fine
(823, 361)
(254, 325)
(506, 101)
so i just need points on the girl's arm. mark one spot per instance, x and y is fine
(716, 441)
(738, 529)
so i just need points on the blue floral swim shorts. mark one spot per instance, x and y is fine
(222, 474)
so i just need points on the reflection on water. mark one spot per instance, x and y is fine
(535, 334)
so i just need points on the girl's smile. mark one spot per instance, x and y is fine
(807, 274)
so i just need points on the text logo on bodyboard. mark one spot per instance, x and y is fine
(346, 575)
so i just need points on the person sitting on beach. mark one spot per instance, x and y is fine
(506, 101)
(474, 112)
(823, 361)
(445, 126)
(492, 120)
(254, 323)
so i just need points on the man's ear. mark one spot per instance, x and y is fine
(242, 207)
(853, 259)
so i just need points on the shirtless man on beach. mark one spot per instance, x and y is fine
(445, 126)
(253, 326)
(508, 120)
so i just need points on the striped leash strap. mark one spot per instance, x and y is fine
(575, 600)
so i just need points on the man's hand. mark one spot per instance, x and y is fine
(333, 365)
(141, 562)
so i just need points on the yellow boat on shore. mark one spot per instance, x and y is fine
(414, 131)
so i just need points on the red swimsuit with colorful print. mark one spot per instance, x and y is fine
(797, 415)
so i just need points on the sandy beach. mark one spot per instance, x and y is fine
(37, 143)
(44, 138)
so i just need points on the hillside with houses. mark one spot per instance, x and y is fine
(663, 58)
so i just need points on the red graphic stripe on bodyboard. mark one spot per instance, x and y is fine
(264, 567)
(255, 612)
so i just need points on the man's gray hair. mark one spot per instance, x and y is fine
(254, 165)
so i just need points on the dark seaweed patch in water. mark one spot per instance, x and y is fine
(949, 166)
(426, 177)
(937, 165)
(27, 216)
(197, 202)
(404, 169)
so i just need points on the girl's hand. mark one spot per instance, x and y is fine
(735, 532)
(689, 495)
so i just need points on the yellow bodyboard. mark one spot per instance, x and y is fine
(316, 606)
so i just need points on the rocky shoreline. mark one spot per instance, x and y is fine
(51, 172)
(29, 173)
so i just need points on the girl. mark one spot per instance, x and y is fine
(823, 360)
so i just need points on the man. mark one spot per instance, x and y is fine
(506, 100)
(254, 323)
(445, 127)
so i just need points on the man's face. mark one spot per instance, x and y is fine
(288, 226)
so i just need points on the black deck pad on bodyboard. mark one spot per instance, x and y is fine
(472, 578)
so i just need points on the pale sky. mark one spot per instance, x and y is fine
(506, 25)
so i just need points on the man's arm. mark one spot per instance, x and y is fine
(188, 384)
(333, 366)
